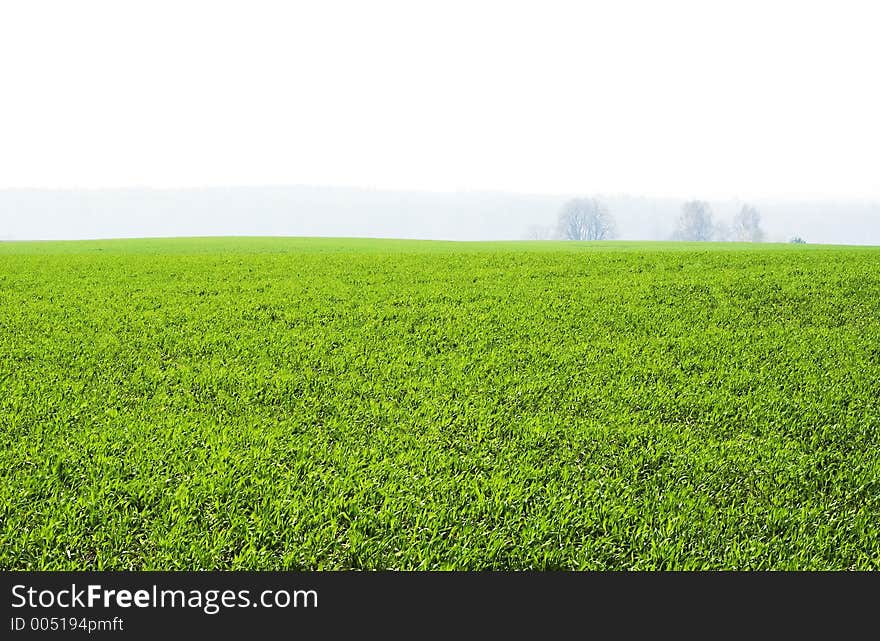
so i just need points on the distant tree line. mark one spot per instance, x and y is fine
(696, 223)
(590, 219)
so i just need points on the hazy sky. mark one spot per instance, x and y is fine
(691, 99)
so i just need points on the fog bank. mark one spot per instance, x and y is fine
(342, 211)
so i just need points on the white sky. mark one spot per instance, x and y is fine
(692, 99)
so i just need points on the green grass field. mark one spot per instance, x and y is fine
(270, 403)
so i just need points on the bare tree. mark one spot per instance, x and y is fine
(695, 222)
(584, 219)
(747, 225)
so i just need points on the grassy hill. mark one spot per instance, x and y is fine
(288, 403)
